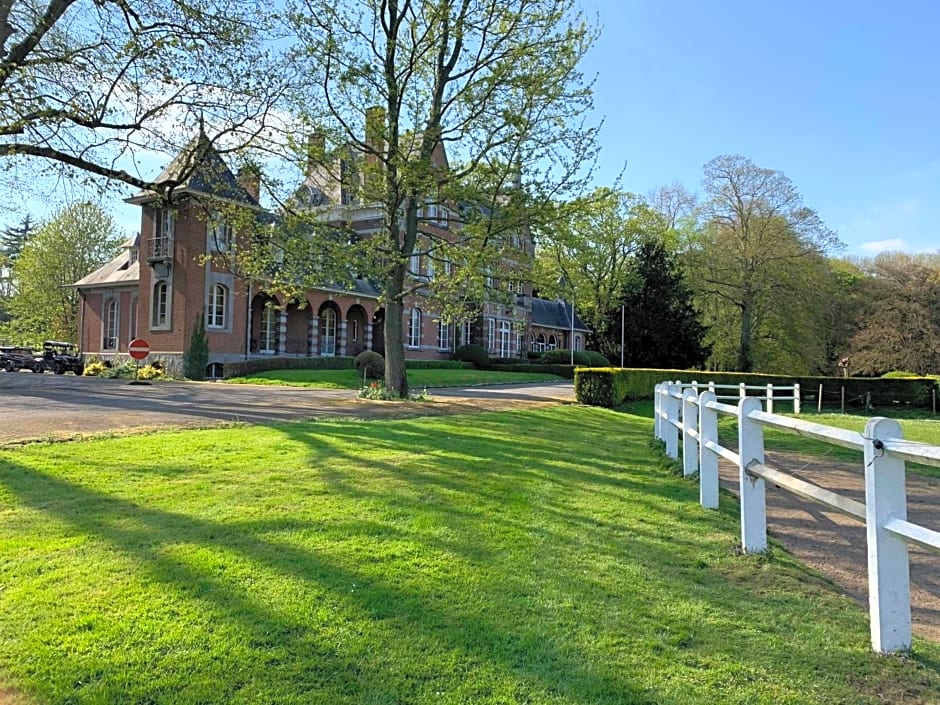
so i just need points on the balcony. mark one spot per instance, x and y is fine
(159, 249)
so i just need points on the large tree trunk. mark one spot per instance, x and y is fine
(396, 376)
(745, 351)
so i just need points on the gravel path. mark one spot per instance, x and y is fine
(834, 544)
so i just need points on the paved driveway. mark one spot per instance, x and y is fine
(36, 406)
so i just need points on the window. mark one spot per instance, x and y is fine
(217, 305)
(443, 336)
(164, 224)
(110, 338)
(414, 264)
(414, 328)
(551, 343)
(429, 267)
(158, 318)
(504, 339)
(354, 330)
(540, 343)
(491, 334)
(220, 234)
(578, 343)
(328, 332)
(466, 333)
(268, 330)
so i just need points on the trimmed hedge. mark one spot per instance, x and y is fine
(264, 364)
(438, 365)
(566, 371)
(561, 356)
(474, 353)
(612, 386)
(253, 366)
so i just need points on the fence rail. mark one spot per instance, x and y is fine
(684, 413)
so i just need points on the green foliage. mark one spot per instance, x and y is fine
(422, 377)
(565, 371)
(196, 357)
(560, 356)
(95, 368)
(438, 365)
(615, 385)
(899, 374)
(371, 362)
(74, 242)
(149, 372)
(14, 238)
(244, 368)
(661, 327)
(595, 359)
(472, 353)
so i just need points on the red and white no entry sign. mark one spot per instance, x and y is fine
(138, 348)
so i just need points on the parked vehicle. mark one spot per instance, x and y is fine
(13, 359)
(62, 357)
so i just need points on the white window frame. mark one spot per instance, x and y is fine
(220, 234)
(217, 306)
(466, 333)
(267, 342)
(160, 311)
(414, 328)
(491, 334)
(443, 335)
(505, 338)
(110, 330)
(328, 323)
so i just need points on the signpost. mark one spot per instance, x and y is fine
(138, 349)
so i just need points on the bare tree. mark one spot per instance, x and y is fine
(94, 85)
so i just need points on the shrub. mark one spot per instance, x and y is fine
(595, 359)
(263, 364)
(472, 353)
(154, 371)
(560, 356)
(899, 374)
(437, 365)
(95, 368)
(196, 357)
(371, 362)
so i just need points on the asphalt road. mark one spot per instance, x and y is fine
(39, 406)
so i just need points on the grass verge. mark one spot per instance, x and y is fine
(417, 379)
(542, 556)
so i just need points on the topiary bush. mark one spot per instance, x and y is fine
(472, 353)
(372, 363)
(560, 356)
(595, 359)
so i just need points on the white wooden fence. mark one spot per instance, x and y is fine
(682, 414)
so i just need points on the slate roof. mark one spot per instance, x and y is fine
(116, 272)
(555, 314)
(211, 177)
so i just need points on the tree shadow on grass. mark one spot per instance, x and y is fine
(530, 660)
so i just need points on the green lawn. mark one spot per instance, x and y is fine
(539, 556)
(916, 425)
(417, 379)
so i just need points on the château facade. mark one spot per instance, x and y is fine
(170, 275)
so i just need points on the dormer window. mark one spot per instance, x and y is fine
(164, 224)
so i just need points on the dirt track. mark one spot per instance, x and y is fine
(834, 544)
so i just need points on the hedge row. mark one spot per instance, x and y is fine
(566, 371)
(250, 367)
(610, 386)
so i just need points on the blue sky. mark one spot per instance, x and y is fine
(843, 97)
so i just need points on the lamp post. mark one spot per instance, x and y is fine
(562, 285)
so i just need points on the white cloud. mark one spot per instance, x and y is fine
(892, 245)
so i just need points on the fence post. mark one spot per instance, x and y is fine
(742, 391)
(796, 398)
(657, 398)
(770, 398)
(672, 409)
(711, 387)
(819, 407)
(889, 587)
(752, 491)
(708, 461)
(843, 400)
(689, 423)
(695, 387)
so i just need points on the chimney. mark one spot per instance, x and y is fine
(249, 178)
(316, 151)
